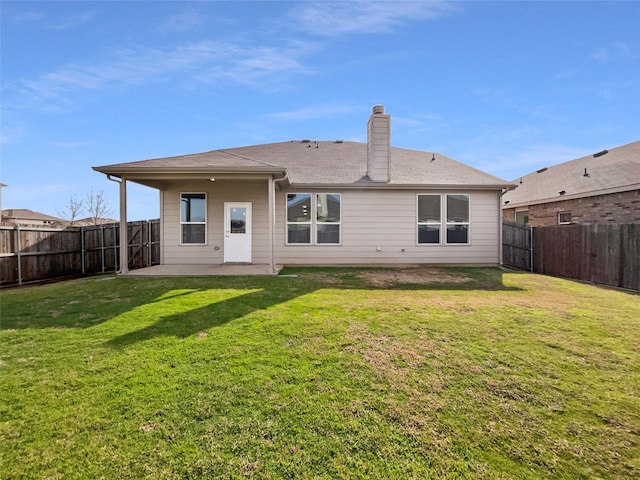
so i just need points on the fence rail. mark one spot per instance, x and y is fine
(32, 254)
(603, 254)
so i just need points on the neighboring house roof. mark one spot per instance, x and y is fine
(90, 221)
(609, 171)
(29, 215)
(311, 163)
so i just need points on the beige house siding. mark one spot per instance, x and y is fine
(218, 193)
(387, 219)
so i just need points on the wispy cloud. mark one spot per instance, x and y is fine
(182, 22)
(201, 63)
(612, 52)
(357, 17)
(26, 17)
(71, 145)
(313, 112)
(73, 21)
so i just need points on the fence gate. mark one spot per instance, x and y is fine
(517, 245)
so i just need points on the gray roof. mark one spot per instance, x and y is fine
(319, 163)
(609, 171)
(26, 214)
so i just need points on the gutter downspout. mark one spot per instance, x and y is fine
(124, 241)
(272, 216)
(500, 240)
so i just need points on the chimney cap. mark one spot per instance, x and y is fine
(377, 109)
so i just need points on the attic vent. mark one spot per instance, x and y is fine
(542, 170)
(339, 141)
(599, 154)
(306, 140)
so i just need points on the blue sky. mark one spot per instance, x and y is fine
(508, 87)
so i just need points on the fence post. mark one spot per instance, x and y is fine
(531, 236)
(116, 254)
(102, 246)
(149, 243)
(19, 254)
(82, 249)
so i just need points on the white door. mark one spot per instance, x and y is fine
(237, 232)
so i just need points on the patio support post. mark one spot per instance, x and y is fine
(272, 216)
(124, 241)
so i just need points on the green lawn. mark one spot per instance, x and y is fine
(335, 373)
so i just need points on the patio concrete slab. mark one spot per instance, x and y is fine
(201, 271)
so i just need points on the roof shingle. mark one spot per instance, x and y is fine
(319, 163)
(618, 168)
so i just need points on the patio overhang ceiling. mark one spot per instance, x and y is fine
(161, 178)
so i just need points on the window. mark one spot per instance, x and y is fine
(307, 220)
(328, 217)
(564, 218)
(457, 218)
(193, 218)
(298, 218)
(522, 216)
(430, 219)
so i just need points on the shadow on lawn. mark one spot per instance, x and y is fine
(89, 303)
(274, 291)
(214, 314)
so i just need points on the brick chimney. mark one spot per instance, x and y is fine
(378, 145)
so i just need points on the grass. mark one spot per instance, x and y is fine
(336, 373)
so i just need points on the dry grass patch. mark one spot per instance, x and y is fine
(412, 276)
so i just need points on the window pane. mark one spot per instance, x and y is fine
(298, 207)
(428, 233)
(428, 208)
(192, 207)
(457, 234)
(298, 233)
(328, 207)
(457, 208)
(238, 220)
(564, 217)
(522, 217)
(193, 233)
(328, 233)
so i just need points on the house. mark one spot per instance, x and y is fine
(307, 202)
(599, 188)
(91, 221)
(29, 218)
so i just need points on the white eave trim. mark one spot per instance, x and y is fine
(396, 186)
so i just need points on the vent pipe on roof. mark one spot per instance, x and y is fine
(379, 145)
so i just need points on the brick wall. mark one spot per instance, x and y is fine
(611, 208)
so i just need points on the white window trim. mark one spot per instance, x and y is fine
(316, 222)
(467, 223)
(563, 213)
(287, 223)
(206, 216)
(313, 222)
(519, 210)
(418, 222)
(443, 221)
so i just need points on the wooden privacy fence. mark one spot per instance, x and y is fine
(31, 254)
(516, 245)
(604, 254)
